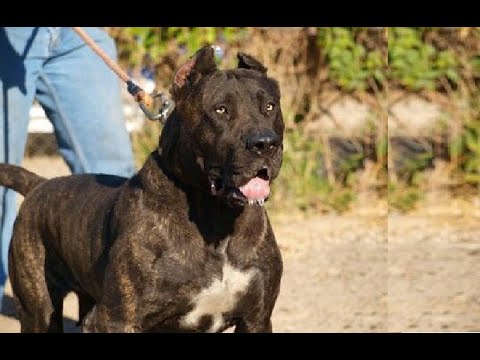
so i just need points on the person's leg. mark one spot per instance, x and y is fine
(81, 97)
(23, 51)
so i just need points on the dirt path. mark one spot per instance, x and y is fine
(334, 274)
(341, 274)
(434, 268)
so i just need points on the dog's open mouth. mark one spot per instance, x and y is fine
(254, 191)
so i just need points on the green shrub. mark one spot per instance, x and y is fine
(416, 64)
(403, 197)
(351, 66)
(469, 145)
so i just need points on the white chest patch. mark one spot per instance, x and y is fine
(219, 297)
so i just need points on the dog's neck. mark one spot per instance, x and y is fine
(175, 159)
(214, 219)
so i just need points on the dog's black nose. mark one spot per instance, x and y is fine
(263, 141)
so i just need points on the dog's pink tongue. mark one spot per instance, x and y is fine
(256, 189)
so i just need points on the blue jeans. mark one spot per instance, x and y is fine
(81, 97)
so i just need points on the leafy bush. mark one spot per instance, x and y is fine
(416, 64)
(351, 65)
(403, 198)
(469, 145)
(443, 66)
(136, 42)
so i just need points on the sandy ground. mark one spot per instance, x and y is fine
(342, 275)
(434, 273)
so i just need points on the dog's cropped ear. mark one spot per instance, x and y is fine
(249, 62)
(200, 64)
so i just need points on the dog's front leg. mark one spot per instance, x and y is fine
(254, 326)
(117, 310)
(99, 320)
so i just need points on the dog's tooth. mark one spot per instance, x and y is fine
(260, 202)
(213, 190)
(251, 202)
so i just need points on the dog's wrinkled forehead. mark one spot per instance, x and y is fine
(246, 86)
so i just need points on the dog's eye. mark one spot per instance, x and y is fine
(221, 110)
(269, 107)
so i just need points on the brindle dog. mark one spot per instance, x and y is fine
(184, 245)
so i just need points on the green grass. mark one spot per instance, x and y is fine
(403, 197)
(300, 185)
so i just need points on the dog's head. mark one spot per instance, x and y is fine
(225, 135)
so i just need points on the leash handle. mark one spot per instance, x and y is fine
(138, 93)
